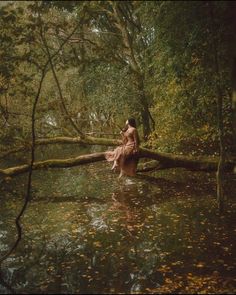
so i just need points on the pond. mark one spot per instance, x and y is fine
(85, 231)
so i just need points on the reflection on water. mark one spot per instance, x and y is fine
(85, 231)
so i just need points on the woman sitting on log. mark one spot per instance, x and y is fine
(125, 157)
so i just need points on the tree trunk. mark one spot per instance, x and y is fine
(234, 101)
(165, 161)
(63, 104)
(127, 39)
(145, 114)
(145, 123)
(88, 140)
(232, 46)
(219, 93)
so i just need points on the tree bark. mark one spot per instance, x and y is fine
(127, 39)
(145, 113)
(232, 46)
(88, 140)
(219, 93)
(165, 161)
(234, 99)
(73, 124)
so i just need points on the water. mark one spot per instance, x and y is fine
(85, 231)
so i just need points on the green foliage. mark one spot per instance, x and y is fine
(130, 58)
(184, 84)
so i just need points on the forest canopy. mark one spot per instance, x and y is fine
(162, 62)
(72, 74)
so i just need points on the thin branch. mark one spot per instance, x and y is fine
(28, 193)
(63, 140)
(58, 85)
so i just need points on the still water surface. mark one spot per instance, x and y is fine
(85, 231)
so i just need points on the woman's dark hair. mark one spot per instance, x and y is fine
(132, 122)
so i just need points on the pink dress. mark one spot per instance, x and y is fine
(126, 155)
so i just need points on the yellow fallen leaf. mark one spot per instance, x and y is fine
(97, 244)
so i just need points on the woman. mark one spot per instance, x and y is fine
(125, 156)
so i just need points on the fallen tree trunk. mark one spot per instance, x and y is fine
(189, 162)
(167, 160)
(54, 163)
(88, 140)
(164, 161)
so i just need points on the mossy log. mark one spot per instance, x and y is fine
(88, 140)
(163, 161)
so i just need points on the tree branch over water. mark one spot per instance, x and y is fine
(165, 161)
(30, 169)
(58, 84)
(30, 166)
(89, 140)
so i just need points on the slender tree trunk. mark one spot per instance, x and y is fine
(145, 122)
(234, 105)
(127, 38)
(30, 169)
(232, 14)
(145, 114)
(73, 124)
(81, 64)
(29, 186)
(221, 163)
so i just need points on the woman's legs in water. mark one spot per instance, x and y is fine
(116, 162)
(114, 165)
(121, 164)
(121, 173)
